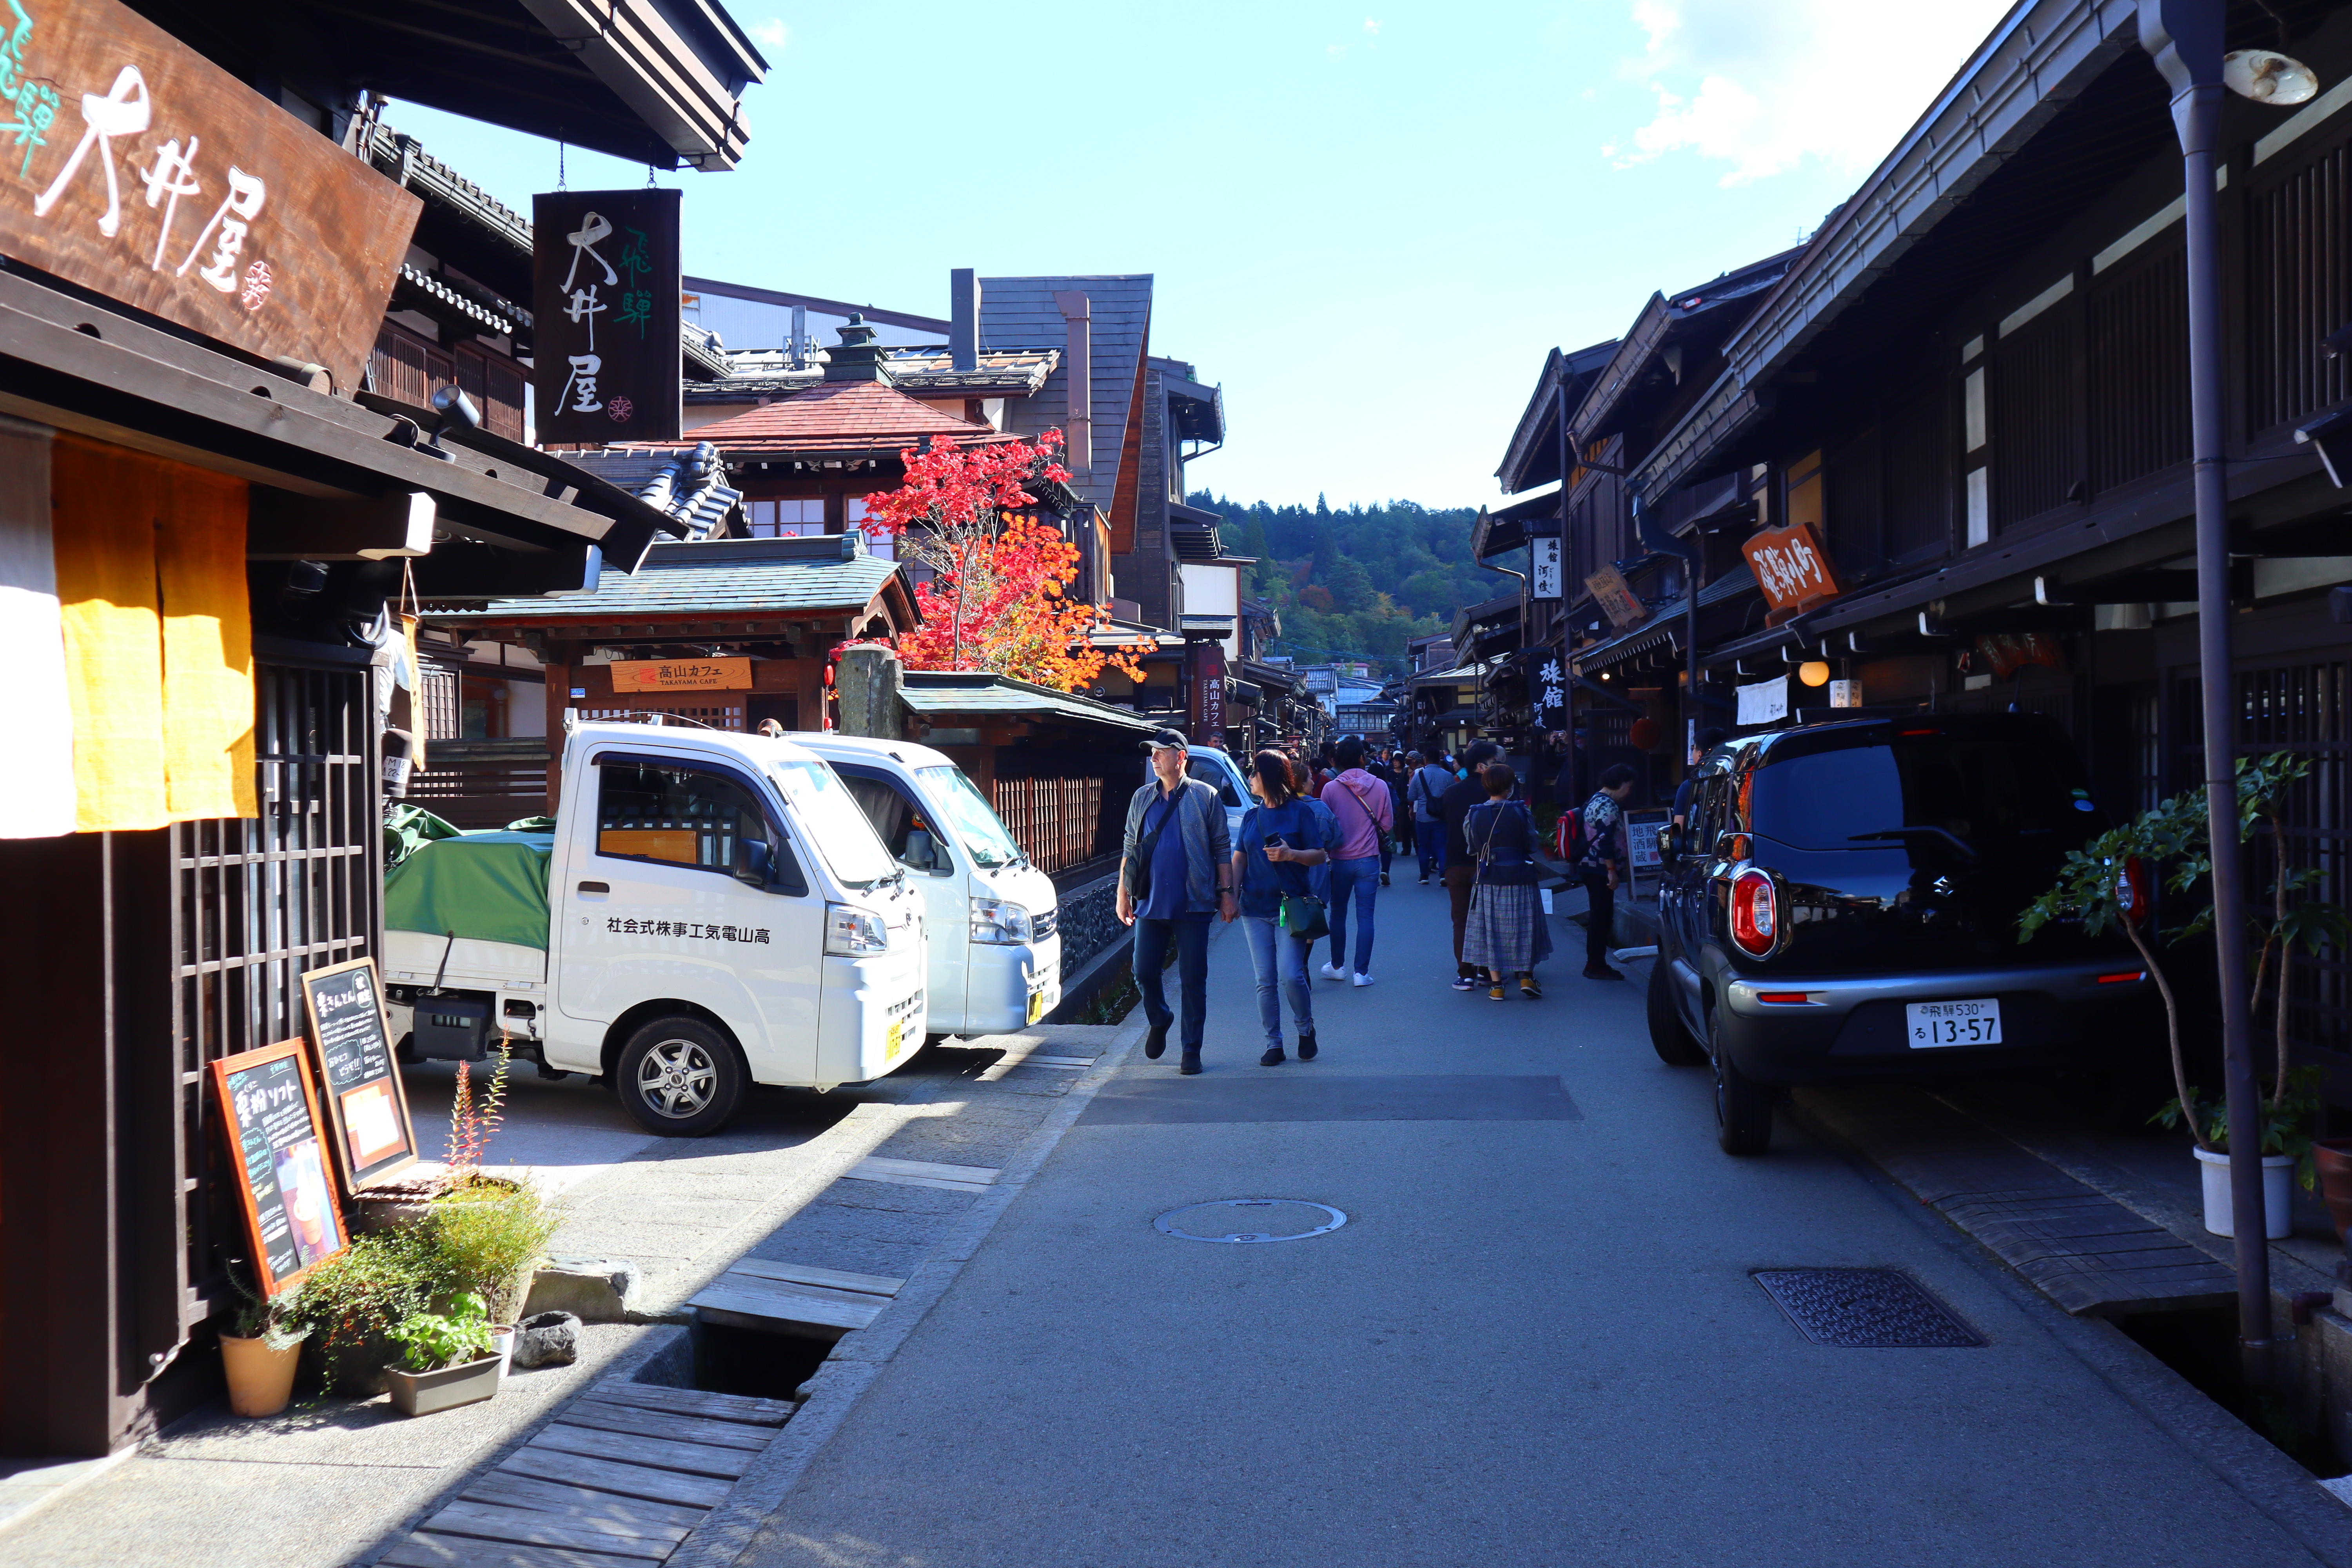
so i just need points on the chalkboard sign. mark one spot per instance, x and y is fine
(285, 1187)
(366, 1105)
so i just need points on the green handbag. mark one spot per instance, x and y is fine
(1302, 917)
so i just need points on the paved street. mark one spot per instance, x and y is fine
(1535, 1342)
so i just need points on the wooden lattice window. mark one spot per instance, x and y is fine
(2138, 353)
(2036, 414)
(2299, 282)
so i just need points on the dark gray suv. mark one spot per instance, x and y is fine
(1843, 905)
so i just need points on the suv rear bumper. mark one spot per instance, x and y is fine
(2074, 1013)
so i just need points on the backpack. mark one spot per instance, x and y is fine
(1568, 839)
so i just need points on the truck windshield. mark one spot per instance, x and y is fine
(1980, 790)
(967, 811)
(835, 828)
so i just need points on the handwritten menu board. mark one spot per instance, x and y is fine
(271, 1116)
(366, 1105)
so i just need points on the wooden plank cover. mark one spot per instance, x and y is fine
(531, 1527)
(660, 1454)
(694, 1402)
(602, 1417)
(774, 1301)
(603, 1475)
(423, 1550)
(581, 1505)
(810, 1273)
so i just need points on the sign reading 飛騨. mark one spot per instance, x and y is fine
(133, 166)
(681, 675)
(604, 290)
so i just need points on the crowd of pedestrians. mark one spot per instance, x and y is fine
(1308, 860)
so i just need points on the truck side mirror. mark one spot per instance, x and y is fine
(751, 862)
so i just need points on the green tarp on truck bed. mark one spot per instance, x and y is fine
(486, 886)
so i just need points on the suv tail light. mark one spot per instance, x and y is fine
(1755, 912)
(2131, 890)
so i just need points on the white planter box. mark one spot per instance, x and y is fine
(2278, 1194)
(423, 1393)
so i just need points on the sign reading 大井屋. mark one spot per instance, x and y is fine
(681, 675)
(134, 168)
(604, 291)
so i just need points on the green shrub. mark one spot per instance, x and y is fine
(492, 1243)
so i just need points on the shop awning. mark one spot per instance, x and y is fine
(955, 691)
(1668, 622)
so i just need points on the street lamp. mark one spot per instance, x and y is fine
(2184, 37)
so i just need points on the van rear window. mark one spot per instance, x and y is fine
(1982, 791)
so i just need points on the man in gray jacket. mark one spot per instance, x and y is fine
(1175, 870)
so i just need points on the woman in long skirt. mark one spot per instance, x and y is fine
(1506, 933)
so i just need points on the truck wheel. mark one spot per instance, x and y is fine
(1743, 1108)
(1668, 1037)
(680, 1078)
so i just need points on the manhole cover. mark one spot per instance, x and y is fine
(1250, 1219)
(1865, 1309)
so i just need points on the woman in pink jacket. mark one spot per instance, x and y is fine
(1366, 810)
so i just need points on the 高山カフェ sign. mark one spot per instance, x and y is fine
(605, 282)
(681, 675)
(1791, 567)
(133, 166)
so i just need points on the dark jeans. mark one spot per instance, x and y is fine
(1601, 922)
(1429, 842)
(1192, 937)
(1459, 880)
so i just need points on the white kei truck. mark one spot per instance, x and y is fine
(996, 957)
(710, 910)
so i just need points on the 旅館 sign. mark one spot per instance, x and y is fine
(134, 168)
(605, 292)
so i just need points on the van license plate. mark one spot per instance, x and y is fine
(1934, 1024)
(1037, 1004)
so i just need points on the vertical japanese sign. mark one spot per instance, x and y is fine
(1208, 693)
(1544, 579)
(604, 290)
(1551, 693)
(136, 168)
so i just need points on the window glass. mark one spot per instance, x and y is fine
(1211, 772)
(680, 815)
(969, 817)
(1983, 792)
(835, 824)
(785, 518)
(896, 820)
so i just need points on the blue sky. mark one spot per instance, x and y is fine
(1367, 221)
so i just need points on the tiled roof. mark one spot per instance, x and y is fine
(769, 373)
(827, 572)
(690, 485)
(944, 691)
(836, 416)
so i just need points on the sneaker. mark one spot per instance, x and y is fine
(1190, 1063)
(1425, 881)
(1603, 973)
(1494, 993)
(1363, 980)
(1307, 1047)
(1333, 971)
(1273, 1058)
(1464, 982)
(1384, 879)
(1530, 989)
(1155, 1042)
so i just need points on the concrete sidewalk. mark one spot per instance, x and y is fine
(1535, 1342)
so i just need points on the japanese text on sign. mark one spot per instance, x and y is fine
(1791, 567)
(1544, 575)
(605, 291)
(682, 675)
(687, 928)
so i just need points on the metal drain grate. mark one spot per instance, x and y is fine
(1866, 1309)
(1270, 1219)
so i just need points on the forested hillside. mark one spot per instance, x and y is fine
(1356, 582)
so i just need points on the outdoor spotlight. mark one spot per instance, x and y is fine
(1813, 672)
(2268, 77)
(2332, 438)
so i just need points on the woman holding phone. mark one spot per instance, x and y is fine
(1280, 840)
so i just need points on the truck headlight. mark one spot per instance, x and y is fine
(854, 933)
(999, 923)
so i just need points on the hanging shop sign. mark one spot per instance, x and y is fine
(1543, 574)
(367, 1107)
(269, 1111)
(1791, 567)
(2003, 654)
(1616, 597)
(681, 675)
(133, 166)
(1209, 694)
(1764, 702)
(1551, 682)
(604, 294)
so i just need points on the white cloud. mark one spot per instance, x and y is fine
(771, 32)
(1763, 88)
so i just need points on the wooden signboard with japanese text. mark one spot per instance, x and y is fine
(1791, 567)
(605, 292)
(1615, 597)
(133, 166)
(367, 1105)
(681, 675)
(285, 1189)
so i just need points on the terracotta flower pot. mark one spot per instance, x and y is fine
(2334, 1158)
(260, 1380)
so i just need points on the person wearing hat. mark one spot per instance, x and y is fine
(1175, 870)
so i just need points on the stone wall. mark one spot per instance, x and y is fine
(1089, 922)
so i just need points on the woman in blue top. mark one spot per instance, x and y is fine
(1280, 840)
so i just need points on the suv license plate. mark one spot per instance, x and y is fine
(1934, 1024)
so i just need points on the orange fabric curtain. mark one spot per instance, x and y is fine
(159, 657)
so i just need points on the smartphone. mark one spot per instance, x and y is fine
(1276, 841)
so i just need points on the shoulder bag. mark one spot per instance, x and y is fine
(1139, 870)
(1302, 914)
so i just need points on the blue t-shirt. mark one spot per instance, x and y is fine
(1167, 898)
(1263, 881)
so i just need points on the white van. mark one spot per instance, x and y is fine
(716, 913)
(1220, 772)
(996, 958)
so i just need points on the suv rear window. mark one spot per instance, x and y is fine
(1979, 789)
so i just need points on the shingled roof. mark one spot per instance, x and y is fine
(839, 415)
(719, 576)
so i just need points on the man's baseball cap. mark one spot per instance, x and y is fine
(1161, 740)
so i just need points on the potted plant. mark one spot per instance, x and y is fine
(492, 1244)
(447, 1360)
(351, 1303)
(261, 1349)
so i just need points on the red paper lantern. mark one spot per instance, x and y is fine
(1646, 734)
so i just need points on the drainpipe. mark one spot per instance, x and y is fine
(2185, 38)
(1078, 376)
